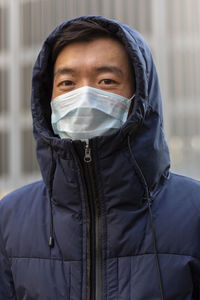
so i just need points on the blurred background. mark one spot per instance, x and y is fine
(172, 30)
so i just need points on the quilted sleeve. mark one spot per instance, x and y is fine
(7, 290)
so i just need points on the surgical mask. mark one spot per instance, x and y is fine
(88, 112)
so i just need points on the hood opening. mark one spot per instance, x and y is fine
(43, 74)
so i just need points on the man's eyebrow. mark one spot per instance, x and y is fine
(112, 69)
(99, 69)
(63, 71)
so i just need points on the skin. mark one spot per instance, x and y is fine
(101, 63)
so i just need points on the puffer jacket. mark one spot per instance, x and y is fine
(108, 221)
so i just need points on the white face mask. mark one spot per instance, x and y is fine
(88, 112)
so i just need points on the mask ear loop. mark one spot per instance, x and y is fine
(147, 197)
(132, 97)
(131, 105)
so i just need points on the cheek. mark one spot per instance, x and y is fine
(128, 89)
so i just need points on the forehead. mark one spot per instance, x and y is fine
(97, 51)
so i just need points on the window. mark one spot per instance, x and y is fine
(139, 15)
(182, 68)
(38, 18)
(3, 28)
(3, 91)
(28, 158)
(4, 154)
(25, 90)
(182, 17)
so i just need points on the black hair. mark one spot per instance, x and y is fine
(79, 31)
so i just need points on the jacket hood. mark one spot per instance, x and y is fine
(144, 125)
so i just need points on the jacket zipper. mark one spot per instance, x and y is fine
(95, 229)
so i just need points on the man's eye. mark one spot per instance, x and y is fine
(66, 83)
(108, 81)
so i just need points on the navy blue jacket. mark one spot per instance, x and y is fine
(121, 227)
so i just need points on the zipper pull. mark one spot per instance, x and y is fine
(87, 157)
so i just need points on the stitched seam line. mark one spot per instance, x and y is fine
(151, 253)
(44, 258)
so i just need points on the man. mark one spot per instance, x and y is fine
(109, 220)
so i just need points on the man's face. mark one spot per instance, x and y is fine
(102, 63)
